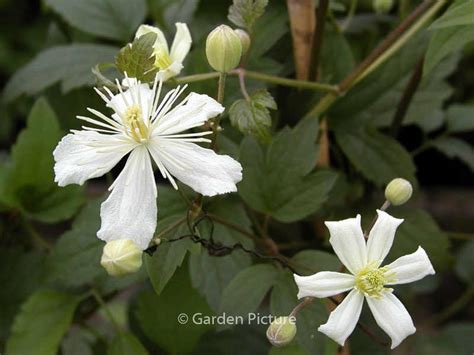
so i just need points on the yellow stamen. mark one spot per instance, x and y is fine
(371, 281)
(163, 59)
(134, 122)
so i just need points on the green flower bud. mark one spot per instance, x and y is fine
(398, 191)
(223, 49)
(382, 6)
(244, 40)
(282, 331)
(121, 257)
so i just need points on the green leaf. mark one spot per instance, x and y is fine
(252, 117)
(419, 229)
(241, 339)
(378, 157)
(158, 315)
(137, 59)
(456, 15)
(279, 181)
(125, 344)
(169, 255)
(335, 45)
(28, 183)
(70, 64)
(465, 263)
(17, 265)
(309, 262)
(244, 13)
(374, 99)
(291, 349)
(114, 19)
(246, 291)
(42, 322)
(211, 274)
(167, 12)
(283, 300)
(460, 118)
(450, 32)
(455, 148)
(379, 82)
(78, 251)
(455, 339)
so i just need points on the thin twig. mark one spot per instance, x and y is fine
(243, 88)
(407, 98)
(231, 225)
(318, 38)
(417, 19)
(384, 207)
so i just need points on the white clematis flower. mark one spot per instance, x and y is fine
(169, 62)
(367, 278)
(149, 130)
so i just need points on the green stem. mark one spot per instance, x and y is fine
(168, 229)
(350, 15)
(220, 99)
(300, 84)
(231, 225)
(453, 308)
(103, 305)
(196, 77)
(392, 43)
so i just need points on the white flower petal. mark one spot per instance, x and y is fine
(140, 95)
(411, 267)
(181, 43)
(381, 237)
(130, 210)
(323, 284)
(84, 155)
(392, 316)
(160, 42)
(344, 318)
(196, 110)
(202, 169)
(171, 71)
(347, 240)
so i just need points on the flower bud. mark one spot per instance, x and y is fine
(121, 257)
(223, 49)
(398, 191)
(382, 6)
(282, 331)
(244, 40)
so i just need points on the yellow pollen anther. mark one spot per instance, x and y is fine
(134, 122)
(371, 281)
(163, 59)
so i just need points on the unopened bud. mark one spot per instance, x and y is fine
(121, 257)
(398, 191)
(223, 49)
(244, 40)
(382, 6)
(282, 331)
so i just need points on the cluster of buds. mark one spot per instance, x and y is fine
(225, 48)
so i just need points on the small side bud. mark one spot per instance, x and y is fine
(282, 331)
(244, 40)
(382, 6)
(121, 257)
(398, 191)
(223, 49)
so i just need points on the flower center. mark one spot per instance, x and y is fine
(163, 59)
(134, 122)
(371, 281)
